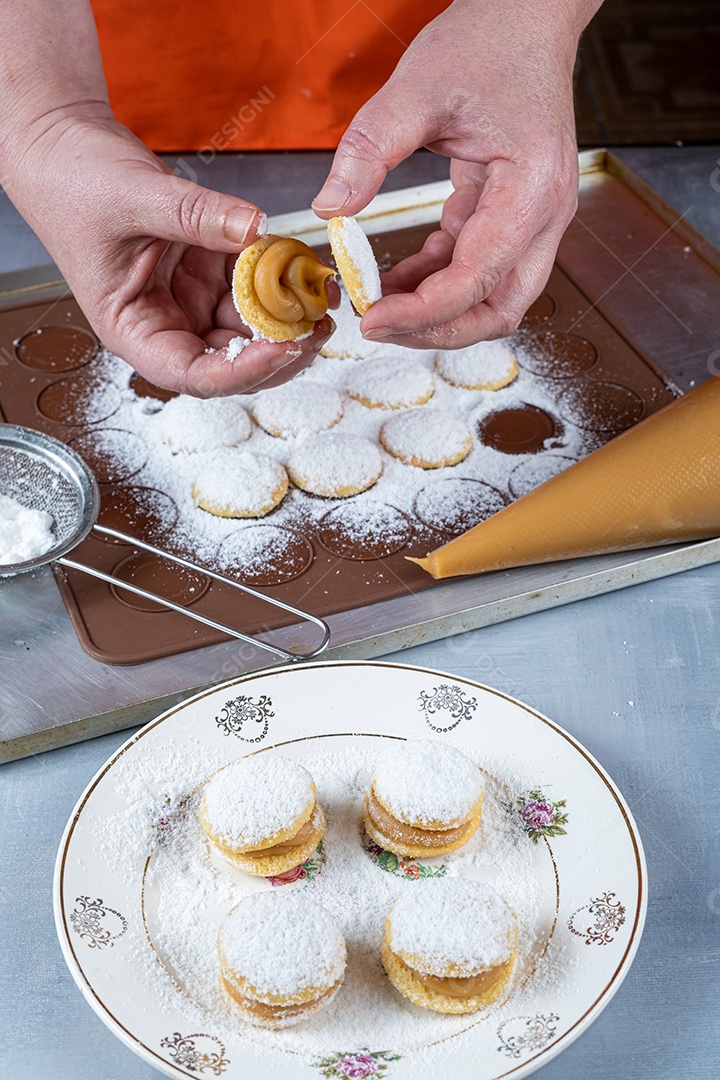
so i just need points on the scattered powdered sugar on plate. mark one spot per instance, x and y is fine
(188, 890)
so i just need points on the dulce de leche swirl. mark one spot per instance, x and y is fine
(291, 282)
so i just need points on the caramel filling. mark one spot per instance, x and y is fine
(291, 282)
(463, 988)
(302, 836)
(276, 1012)
(389, 826)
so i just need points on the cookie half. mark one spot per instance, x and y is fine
(279, 287)
(355, 262)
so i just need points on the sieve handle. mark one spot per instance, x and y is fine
(262, 644)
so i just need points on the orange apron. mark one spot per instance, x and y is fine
(214, 75)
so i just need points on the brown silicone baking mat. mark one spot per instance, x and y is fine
(598, 379)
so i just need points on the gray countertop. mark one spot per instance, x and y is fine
(634, 675)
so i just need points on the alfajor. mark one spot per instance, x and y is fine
(282, 958)
(262, 814)
(450, 945)
(425, 799)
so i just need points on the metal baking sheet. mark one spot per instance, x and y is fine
(75, 698)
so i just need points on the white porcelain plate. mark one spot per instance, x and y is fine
(139, 894)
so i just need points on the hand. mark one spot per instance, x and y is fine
(490, 86)
(148, 255)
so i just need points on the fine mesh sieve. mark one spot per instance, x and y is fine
(44, 474)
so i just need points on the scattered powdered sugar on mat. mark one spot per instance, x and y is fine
(201, 534)
(188, 890)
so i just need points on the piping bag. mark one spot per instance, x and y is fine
(657, 483)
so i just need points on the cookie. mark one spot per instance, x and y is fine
(279, 287)
(490, 365)
(300, 407)
(427, 438)
(390, 383)
(355, 262)
(450, 945)
(262, 815)
(191, 425)
(235, 483)
(282, 958)
(335, 465)
(425, 799)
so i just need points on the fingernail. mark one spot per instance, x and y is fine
(241, 222)
(333, 196)
(379, 333)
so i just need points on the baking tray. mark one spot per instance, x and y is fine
(621, 240)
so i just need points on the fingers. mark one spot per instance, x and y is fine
(383, 133)
(180, 360)
(496, 317)
(175, 209)
(493, 240)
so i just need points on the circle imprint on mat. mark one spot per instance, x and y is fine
(535, 471)
(158, 575)
(234, 483)
(489, 365)
(540, 310)
(558, 356)
(364, 530)
(57, 348)
(111, 453)
(600, 406)
(264, 555)
(297, 408)
(453, 506)
(335, 465)
(524, 429)
(79, 400)
(145, 389)
(139, 511)
(191, 425)
(390, 383)
(427, 438)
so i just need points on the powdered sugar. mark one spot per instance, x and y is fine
(425, 781)
(256, 799)
(236, 346)
(24, 533)
(281, 944)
